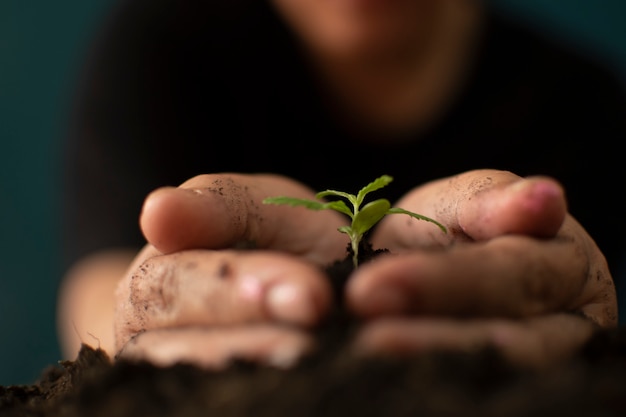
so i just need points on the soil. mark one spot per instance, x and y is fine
(330, 383)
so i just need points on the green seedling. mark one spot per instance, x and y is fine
(363, 218)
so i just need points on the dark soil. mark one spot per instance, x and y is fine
(330, 383)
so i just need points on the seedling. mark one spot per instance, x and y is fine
(363, 218)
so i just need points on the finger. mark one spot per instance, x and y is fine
(511, 276)
(226, 210)
(535, 206)
(476, 205)
(537, 342)
(203, 287)
(216, 348)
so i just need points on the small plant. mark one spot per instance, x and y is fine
(363, 218)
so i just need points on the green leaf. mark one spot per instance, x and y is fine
(370, 214)
(291, 201)
(345, 229)
(396, 210)
(377, 184)
(350, 197)
(339, 205)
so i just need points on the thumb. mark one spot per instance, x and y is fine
(503, 203)
(477, 205)
(225, 210)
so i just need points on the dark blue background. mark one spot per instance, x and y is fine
(42, 43)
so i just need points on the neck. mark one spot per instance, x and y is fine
(402, 89)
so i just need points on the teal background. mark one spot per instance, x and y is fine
(42, 43)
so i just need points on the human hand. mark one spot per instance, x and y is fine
(193, 294)
(516, 265)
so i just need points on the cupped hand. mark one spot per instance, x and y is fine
(198, 293)
(515, 271)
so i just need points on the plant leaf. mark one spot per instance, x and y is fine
(345, 229)
(370, 215)
(291, 201)
(396, 210)
(378, 183)
(350, 197)
(338, 205)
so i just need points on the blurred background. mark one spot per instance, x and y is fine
(42, 45)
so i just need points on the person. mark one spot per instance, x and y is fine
(191, 112)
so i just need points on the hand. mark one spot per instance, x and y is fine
(516, 268)
(490, 226)
(192, 295)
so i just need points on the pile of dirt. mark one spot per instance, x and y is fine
(331, 383)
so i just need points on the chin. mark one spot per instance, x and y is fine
(354, 27)
(373, 38)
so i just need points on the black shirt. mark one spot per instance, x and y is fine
(177, 88)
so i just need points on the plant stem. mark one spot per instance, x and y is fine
(355, 241)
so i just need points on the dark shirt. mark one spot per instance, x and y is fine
(174, 88)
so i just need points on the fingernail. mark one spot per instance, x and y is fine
(536, 195)
(291, 304)
(547, 189)
(537, 188)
